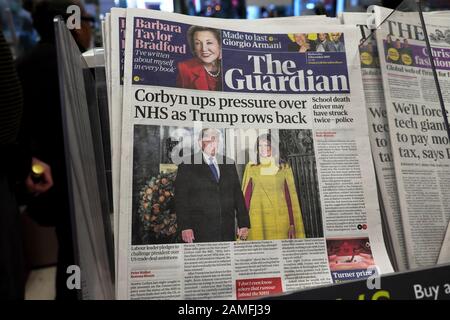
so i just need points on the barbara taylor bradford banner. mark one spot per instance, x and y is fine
(273, 62)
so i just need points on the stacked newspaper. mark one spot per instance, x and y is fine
(407, 128)
(241, 155)
(418, 127)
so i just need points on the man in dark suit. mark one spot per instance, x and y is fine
(208, 196)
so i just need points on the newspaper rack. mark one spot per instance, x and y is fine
(86, 133)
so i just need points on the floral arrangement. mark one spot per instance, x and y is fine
(156, 208)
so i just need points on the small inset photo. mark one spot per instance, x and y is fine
(350, 259)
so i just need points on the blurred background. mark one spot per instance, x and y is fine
(15, 17)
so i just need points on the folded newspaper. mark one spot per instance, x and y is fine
(243, 165)
(118, 19)
(379, 133)
(417, 127)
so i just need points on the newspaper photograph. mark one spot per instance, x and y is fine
(246, 167)
(417, 129)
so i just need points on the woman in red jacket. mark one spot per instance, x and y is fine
(203, 72)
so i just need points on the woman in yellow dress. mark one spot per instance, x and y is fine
(271, 197)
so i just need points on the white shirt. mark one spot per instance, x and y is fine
(207, 157)
(321, 46)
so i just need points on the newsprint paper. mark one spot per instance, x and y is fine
(246, 168)
(419, 139)
(444, 256)
(379, 133)
(116, 21)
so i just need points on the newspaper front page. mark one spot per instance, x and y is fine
(379, 133)
(246, 168)
(418, 134)
(116, 22)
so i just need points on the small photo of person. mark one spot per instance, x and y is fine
(316, 42)
(437, 36)
(398, 44)
(440, 35)
(368, 53)
(399, 51)
(349, 254)
(322, 42)
(392, 48)
(300, 43)
(389, 43)
(447, 36)
(270, 195)
(203, 71)
(406, 53)
(335, 44)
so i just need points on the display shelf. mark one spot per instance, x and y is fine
(425, 284)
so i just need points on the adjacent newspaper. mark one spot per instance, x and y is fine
(417, 129)
(379, 133)
(245, 167)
